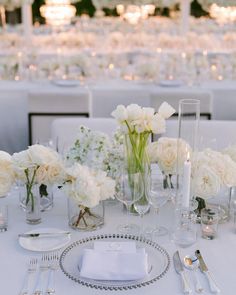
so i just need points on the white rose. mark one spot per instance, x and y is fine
(120, 114)
(41, 175)
(6, 181)
(55, 174)
(231, 151)
(205, 182)
(166, 110)
(230, 172)
(42, 155)
(22, 160)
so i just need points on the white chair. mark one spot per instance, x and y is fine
(64, 131)
(13, 120)
(215, 134)
(173, 96)
(45, 106)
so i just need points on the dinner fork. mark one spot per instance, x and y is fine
(51, 279)
(32, 267)
(44, 266)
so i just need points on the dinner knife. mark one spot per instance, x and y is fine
(180, 270)
(204, 269)
(43, 235)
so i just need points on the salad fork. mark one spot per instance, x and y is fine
(32, 267)
(51, 279)
(44, 266)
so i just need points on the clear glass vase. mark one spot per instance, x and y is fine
(32, 209)
(83, 218)
(137, 160)
(46, 197)
(188, 121)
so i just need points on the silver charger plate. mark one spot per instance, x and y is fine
(158, 262)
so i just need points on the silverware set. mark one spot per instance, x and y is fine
(194, 263)
(39, 271)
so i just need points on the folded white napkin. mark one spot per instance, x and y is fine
(114, 265)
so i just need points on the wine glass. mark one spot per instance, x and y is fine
(158, 196)
(142, 204)
(131, 190)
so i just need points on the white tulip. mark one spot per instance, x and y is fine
(120, 114)
(166, 110)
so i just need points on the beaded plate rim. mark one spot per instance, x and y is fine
(115, 236)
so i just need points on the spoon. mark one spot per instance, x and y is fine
(192, 263)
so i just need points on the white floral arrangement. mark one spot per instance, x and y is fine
(7, 175)
(87, 187)
(212, 170)
(38, 165)
(96, 150)
(164, 153)
(135, 118)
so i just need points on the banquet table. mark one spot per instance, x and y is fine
(105, 93)
(219, 253)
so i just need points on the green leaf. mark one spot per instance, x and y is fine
(43, 190)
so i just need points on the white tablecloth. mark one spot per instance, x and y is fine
(219, 253)
(105, 97)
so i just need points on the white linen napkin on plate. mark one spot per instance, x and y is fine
(115, 265)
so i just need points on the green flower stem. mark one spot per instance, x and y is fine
(29, 185)
(137, 159)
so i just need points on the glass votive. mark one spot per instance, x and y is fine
(209, 222)
(3, 218)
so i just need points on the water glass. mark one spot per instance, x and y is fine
(185, 231)
(209, 223)
(3, 218)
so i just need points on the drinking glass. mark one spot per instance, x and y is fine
(158, 197)
(131, 190)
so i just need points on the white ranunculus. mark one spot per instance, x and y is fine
(120, 113)
(206, 183)
(166, 110)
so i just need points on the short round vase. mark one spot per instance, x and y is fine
(85, 219)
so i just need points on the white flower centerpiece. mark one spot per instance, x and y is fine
(212, 173)
(87, 188)
(137, 124)
(36, 167)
